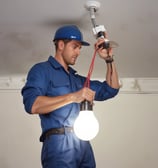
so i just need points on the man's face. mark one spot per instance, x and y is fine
(71, 51)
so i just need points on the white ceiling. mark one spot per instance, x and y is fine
(27, 28)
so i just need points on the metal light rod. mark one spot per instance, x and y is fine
(92, 6)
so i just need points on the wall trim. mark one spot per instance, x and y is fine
(128, 85)
(139, 85)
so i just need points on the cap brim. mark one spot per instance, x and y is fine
(84, 43)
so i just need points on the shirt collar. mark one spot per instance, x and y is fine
(57, 65)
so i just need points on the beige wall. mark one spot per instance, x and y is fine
(128, 136)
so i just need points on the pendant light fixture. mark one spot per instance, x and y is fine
(86, 126)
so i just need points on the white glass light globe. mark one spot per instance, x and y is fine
(86, 125)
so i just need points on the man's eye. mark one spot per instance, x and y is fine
(74, 46)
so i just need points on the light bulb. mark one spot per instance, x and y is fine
(86, 125)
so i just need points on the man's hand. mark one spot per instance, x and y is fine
(103, 53)
(83, 94)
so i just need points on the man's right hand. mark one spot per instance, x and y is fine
(84, 94)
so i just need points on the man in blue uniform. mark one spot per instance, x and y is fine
(54, 90)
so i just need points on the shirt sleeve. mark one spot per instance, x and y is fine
(103, 90)
(36, 85)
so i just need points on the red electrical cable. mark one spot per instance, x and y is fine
(87, 82)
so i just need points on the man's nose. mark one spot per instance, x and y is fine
(78, 51)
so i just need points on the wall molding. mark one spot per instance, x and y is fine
(12, 82)
(128, 85)
(139, 85)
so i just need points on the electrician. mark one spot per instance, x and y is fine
(54, 91)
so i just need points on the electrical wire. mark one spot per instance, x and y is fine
(87, 82)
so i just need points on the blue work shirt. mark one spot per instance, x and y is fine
(50, 79)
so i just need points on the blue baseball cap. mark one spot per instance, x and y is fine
(70, 32)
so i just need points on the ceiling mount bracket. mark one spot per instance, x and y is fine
(92, 5)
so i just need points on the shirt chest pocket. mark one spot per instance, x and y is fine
(57, 88)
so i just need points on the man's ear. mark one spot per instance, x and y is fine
(61, 45)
